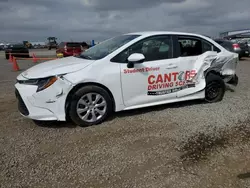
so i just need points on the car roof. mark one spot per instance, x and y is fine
(144, 33)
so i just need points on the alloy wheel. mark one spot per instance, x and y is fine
(91, 107)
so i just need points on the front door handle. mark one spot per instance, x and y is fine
(171, 67)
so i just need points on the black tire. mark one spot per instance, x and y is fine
(215, 88)
(72, 112)
(6, 56)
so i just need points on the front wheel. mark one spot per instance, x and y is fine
(90, 105)
(215, 88)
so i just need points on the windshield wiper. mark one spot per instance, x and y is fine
(85, 56)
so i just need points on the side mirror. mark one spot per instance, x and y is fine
(135, 58)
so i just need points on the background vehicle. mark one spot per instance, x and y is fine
(233, 47)
(17, 50)
(84, 46)
(27, 44)
(244, 47)
(66, 49)
(52, 43)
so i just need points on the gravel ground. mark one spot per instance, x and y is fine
(185, 145)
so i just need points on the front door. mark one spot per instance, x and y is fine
(154, 80)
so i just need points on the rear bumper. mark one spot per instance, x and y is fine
(245, 53)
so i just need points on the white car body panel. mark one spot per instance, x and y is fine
(56, 67)
(129, 89)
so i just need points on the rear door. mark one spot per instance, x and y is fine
(190, 49)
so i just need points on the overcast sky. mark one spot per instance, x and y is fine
(82, 20)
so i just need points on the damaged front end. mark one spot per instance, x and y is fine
(44, 98)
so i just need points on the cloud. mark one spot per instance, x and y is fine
(79, 20)
(108, 5)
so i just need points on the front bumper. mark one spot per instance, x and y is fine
(59, 55)
(48, 104)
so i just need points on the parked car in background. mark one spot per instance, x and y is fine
(233, 47)
(66, 49)
(84, 46)
(126, 72)
(17, 50)
(244, 47)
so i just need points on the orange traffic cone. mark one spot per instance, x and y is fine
(15, 66)
(34, 58)
(10, 58)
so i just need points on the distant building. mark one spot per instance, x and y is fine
(244, 33)
(38, 43)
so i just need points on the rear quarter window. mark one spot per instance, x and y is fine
(225, 44)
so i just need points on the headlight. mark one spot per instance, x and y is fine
(44, 83)
(41, 83)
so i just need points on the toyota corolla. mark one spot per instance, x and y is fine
(125, 72)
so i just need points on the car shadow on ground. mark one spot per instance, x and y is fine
(140, 111)
(56, 124)
(146, 110)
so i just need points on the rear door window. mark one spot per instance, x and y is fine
(189, 46)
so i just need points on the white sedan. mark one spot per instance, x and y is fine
(129, 71)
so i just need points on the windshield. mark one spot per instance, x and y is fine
(105, 48)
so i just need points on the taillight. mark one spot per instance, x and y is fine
(236, 45)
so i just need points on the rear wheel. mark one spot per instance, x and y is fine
(215, 88)
(90, 105)
(6, 56)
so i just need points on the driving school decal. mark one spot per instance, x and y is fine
(162, 84)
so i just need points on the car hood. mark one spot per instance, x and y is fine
(56, 67)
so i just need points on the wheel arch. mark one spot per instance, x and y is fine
(80, 85)
(212, 71)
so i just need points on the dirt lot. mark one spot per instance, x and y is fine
(191, 144)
